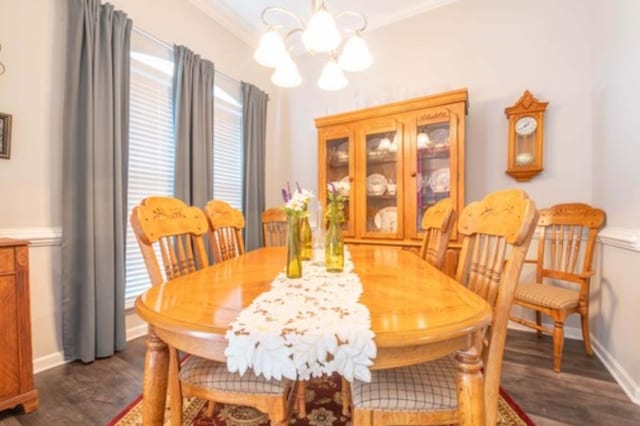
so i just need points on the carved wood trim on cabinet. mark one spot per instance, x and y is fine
(400, 123)
(16, 363)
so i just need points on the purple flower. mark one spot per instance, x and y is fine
(285, 195)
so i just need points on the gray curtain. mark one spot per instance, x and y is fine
(96, 131)
(193, 79)
(254, 126)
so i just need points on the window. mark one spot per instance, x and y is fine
(227, 141)
(152, 143)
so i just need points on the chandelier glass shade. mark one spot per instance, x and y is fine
(347, 51)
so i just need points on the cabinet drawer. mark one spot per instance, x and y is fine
(7, 260)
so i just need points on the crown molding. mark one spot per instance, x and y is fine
(406, 13)
(229, 20)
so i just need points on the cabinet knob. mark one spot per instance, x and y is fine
(350, 178)
(414, 174)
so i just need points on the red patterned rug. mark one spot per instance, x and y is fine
(324, 408)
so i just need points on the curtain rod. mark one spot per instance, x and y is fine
(170, 46)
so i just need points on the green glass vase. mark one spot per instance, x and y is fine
(334, 245)
(305, 239)
(294, 263)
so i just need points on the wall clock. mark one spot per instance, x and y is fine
(526, 137)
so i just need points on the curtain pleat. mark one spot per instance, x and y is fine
(96, 128)
(193, 81)
(254, 124)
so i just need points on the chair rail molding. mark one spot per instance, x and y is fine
(626, 238)
(38, 237)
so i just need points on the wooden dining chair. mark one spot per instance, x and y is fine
(226, 225)
(274, 227)
(567, 238)
(175, 231)
(437, 224)
(496, 233)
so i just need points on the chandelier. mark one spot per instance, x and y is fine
(319, 35)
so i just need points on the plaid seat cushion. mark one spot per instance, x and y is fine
(424, 387)
(547, 295)
(209, 374)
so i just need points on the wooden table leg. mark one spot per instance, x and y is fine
(156, 365)
(470, 383)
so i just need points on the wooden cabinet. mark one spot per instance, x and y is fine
(398, 159)
(16, 364)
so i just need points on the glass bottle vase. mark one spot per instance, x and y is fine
(294, 263)
(305, 239)
(334, 246)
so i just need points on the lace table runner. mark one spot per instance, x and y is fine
(305, 327)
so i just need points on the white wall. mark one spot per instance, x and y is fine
(32, 34)
(496, 49)
(581, 57)
(616, 182)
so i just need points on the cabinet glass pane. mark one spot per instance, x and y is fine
(338, 171)
(433, 174)
(381, 182)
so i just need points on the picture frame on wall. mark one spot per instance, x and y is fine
(5, 135)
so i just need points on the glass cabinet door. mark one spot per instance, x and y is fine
(337, 149)
(380, 168)
(433, 163)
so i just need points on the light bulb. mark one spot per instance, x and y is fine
(332, 77)
(287, 74)
(321, 34)
(271, 51)
(355, 55)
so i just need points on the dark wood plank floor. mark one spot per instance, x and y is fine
(583, 394)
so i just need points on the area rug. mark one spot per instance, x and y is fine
(324, 408)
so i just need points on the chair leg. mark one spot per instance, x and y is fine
(539, 323)
(558, 343)
(211, 408)
(586, 336)
(301, 403)
(175, 391)
(346, 397)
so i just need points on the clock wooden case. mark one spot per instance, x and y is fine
(526, 137)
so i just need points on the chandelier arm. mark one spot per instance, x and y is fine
(356, 14)
(263, 16)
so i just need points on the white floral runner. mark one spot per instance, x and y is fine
(305, 327)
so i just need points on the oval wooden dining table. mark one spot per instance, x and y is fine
(417, 313)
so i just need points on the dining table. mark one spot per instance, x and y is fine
(417, 313)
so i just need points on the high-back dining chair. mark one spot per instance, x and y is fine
(437, 224)
(274, 227)
(226, 225)
(568, 234)
(496, 234)
(178, 230)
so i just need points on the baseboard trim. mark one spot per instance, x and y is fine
(56, 359)
(37, 237)
(620, 375)
(48, 361)
(138, 331)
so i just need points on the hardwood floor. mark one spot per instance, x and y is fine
(583, 394)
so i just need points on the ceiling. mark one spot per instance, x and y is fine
(242, 17)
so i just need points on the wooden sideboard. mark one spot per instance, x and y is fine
(16, 363)
(396, 161)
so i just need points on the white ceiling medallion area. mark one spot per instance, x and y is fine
(242, 17)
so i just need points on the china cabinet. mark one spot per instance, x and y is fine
(391, 163)
(16, 365)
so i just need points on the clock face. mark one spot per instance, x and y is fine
(526, 125)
